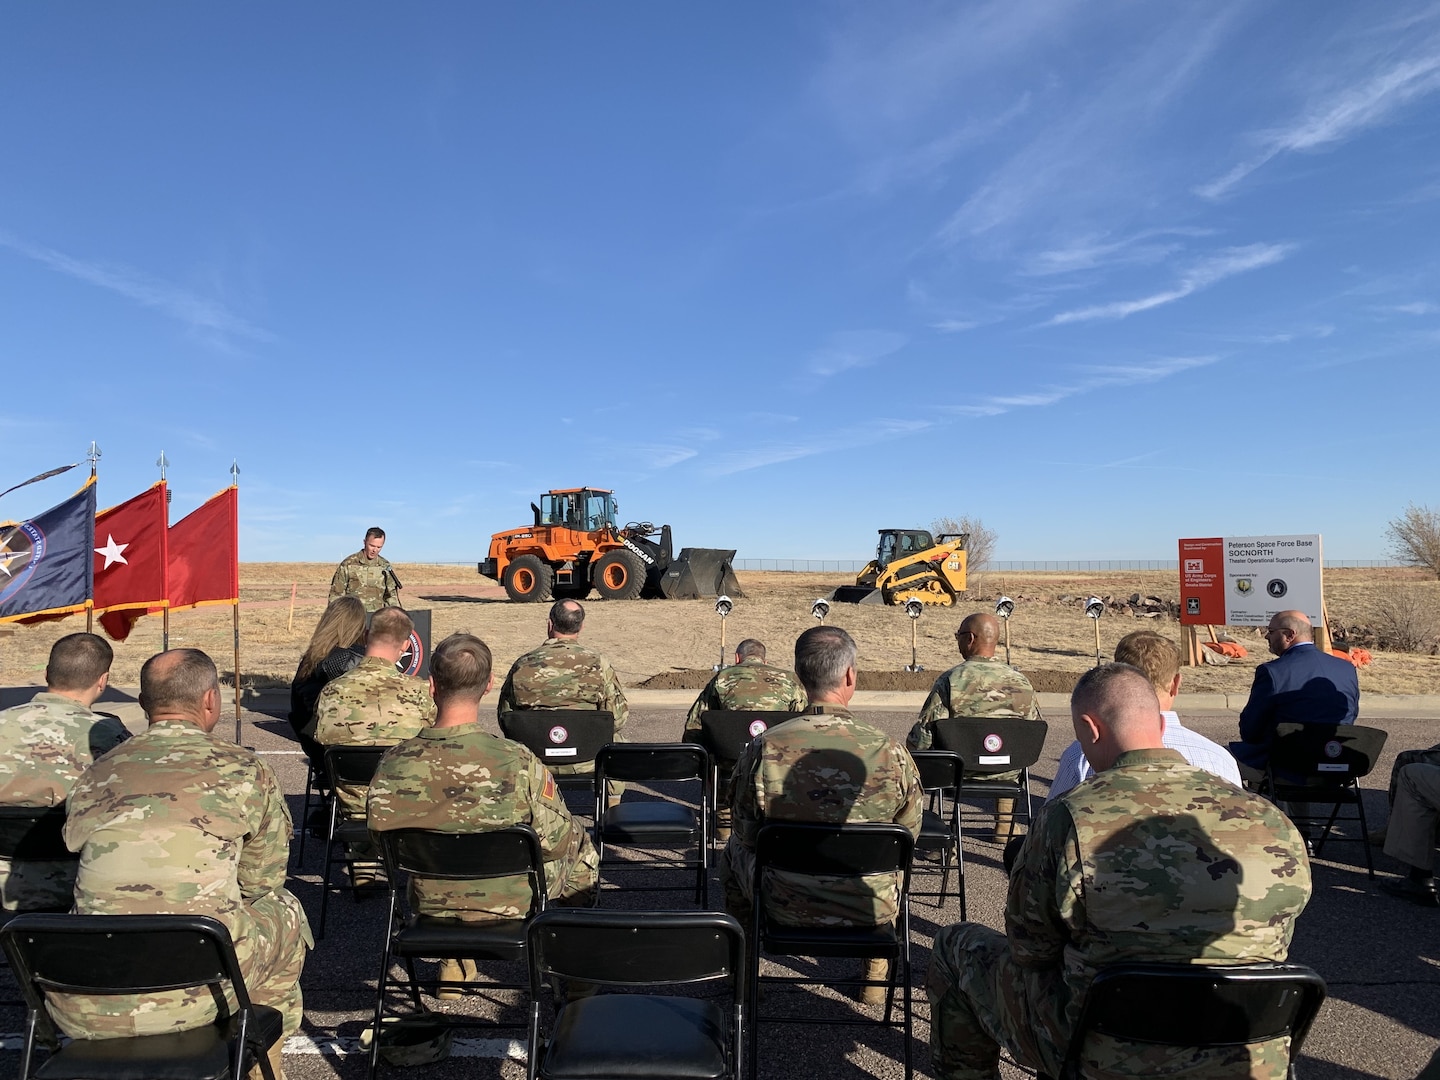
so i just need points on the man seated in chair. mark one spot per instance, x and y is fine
(822, 766)
(45, 745)
(178, 822)
(1411, 834)
(981, 685)
(458, 777)
(1151, 860)
(750, 685)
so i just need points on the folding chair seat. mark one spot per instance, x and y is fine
(725, 733)
(832, 851)
(561, 737)
(640, 1033)
(34, 833)
(137, 954)
(351, 766)
(1199, 1005)
(941, 775)
(992, 746)
(510, 852)
(1322, 764)
(659, 823)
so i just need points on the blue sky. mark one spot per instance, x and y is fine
(1103, 274)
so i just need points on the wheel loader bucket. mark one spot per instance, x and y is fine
(700, 572)
(857, 594)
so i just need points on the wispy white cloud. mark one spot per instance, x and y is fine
(853, 348)
(1203, 274)
(1145, 247)
(1422, 307)
(824, 440)
(203, 315)
(1095, 377)
(1340, 115)
(954, 326)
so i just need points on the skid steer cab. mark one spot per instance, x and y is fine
(910, 564)
(574, 545)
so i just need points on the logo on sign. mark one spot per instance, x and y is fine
(1332, 748)
(558, 734)
(1276, 588)
(1194, 566)
(410, 659)
(1192, 605)
(1243, 586)
(757, 726)
(993, 742)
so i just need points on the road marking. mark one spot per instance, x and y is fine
(337, 1046)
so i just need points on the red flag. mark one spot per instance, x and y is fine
(205, 554)
(130, 560)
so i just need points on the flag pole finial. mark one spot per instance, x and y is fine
(163, 462)
(235, 473)
(93, 454)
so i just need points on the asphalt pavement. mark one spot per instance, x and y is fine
(1379, 956)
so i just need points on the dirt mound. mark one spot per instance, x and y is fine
(1044, 681)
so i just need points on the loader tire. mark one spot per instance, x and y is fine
(619, 575)
(528, 580)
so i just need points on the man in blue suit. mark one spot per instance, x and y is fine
(1302, 685)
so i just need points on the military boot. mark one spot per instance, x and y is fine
(276, 1064)
(1004, 820)
(875, 969)
(454, 971)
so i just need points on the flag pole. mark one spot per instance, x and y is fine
(235, 483)
(94, 455)
(164, 463)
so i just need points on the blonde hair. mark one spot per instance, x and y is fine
(1154, 654)
(341, 627)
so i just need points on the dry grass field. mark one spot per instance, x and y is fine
(1050, 640)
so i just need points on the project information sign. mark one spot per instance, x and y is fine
(1243, 580)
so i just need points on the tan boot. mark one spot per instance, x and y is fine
(454, 971)
(275, 1055)
(875, 969)
(1004, 820)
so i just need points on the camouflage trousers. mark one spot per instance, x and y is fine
(982, 1000)
(271, 935)
(37, 884)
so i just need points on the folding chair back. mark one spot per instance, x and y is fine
(468, 856)
(834, 850)
(560, 736)
(352, 765)
(989, 746)
(636, 948)
(138, 954)
(941, 774)
(34, 832)
(643, 763)
(656, 823)
(1200, 1005)
(726, 733)
(1324, 755)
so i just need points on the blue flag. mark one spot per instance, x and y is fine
(47, 564)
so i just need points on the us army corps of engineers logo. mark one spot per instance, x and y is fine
(21, 549)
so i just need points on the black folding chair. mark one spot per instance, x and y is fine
(832, 851)
(352, 766)
(1323, 764)
(137, 954)
(561, 737)
(725, 733)
(34, 834)
(476, 856)
(990, 747)
(1198, 1005)
(941, 775)
(317, 790)
(638, 1034)
(659, 823)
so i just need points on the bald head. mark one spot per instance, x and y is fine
(1114, 709)
(181, 684)
(1288, 628)
(978, 635)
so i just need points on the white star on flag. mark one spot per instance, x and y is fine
(112, 552)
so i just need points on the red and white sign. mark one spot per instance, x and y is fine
(1244, 580)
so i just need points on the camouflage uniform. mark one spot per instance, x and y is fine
(45, 745)
(464, 779)
(824, 766)
(180, 822)
(372, 704)
(565, 675)
(980, 687)
(1151, 860)
(370, 581)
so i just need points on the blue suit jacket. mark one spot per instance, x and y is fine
(1303, 686)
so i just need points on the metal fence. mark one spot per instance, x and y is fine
(850, 566)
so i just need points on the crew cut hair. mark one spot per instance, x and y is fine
(391, 624)
(177, 679)
(822, 655)
(1114, 693)
(750, 649)
(77, 661)
(374, 533)
(460, 666)
(567, 616)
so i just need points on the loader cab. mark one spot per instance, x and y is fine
(901, 544)
(581, 509)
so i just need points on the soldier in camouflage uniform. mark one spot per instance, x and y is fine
(366, 576)
(458, 777)
(373, 704)
(823, 766)
(178, 821)
(1150, 860)
(751, 685)
(45, 745)
(980, 686)
(563, 674)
